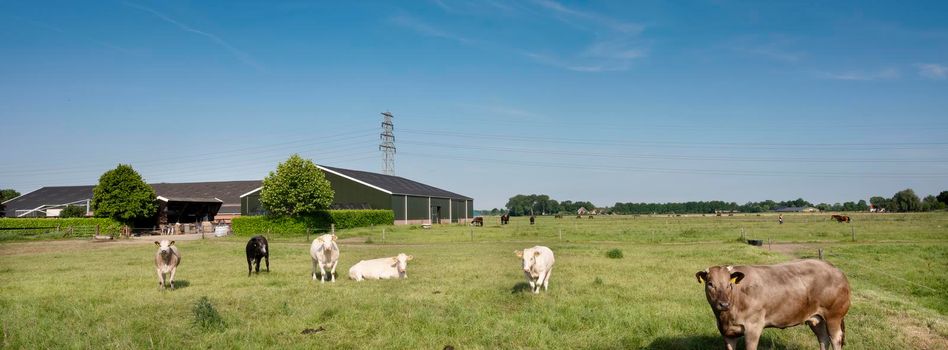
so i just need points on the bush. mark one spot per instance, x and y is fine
(206, 316)
(252, 225)
(72, 211)
(614, 253)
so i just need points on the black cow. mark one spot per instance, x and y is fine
(257, 248)
(532, 219)
(505, 219)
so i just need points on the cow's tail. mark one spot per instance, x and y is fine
(842, 326)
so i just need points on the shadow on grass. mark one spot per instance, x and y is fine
(521, 287)
(700, 342)
(178, 284)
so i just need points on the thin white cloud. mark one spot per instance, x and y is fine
(615, 47)
(884, 74)
(426, 29)
(242, 56)
(932, 70)
(775, 47)
(571, 15)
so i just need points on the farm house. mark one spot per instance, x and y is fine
(413, 202)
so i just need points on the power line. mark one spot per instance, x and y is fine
(679, 170)
(670, 156)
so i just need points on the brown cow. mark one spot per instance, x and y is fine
(841, 218)
(505, 219)
(533, 218)
(477, 221)
(747, 299)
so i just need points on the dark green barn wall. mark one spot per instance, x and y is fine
(250, 205)
(417, 208)
(351, 194)
(443, 203)
(398, 206)
(457, 209)
(470, 208)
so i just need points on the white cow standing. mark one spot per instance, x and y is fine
(166, 262)
(325, 253)
(537, 266)
(381, 269)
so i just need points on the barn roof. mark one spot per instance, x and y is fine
(226, 191)
(393, 184)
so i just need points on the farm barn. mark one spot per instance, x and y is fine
(177, 202)
(413, 202)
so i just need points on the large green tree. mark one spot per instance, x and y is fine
(5, 195)
(297, 188)
(943, 197)
(123, 195)
(906, 200)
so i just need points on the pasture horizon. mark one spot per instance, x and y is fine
(606, 102)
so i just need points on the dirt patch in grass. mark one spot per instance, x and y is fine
(919, 335)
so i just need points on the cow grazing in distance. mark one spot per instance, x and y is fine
(381, 269)
(590, 216)
(537, 266)
(257, 248)
(558, 216)
(477, 221)
(166, 262)
(579, 216)
(505, 219)
(533, 219)
(325, 255)
(747, 299)
(841, 218)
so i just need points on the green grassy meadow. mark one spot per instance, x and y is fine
(471, 294)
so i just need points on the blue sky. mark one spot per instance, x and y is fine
(644, 101)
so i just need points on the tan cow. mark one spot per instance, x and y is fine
(166, 262)
(747, 299)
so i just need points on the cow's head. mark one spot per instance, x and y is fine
(529, 256)
(257, 244)
(325, 241)
(164, 247)
(401, 261)
(719, 283)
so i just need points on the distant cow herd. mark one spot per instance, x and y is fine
(743, 299)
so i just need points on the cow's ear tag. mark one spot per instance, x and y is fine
(733, 280)
(701, 279)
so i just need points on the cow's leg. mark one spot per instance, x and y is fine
(752, 336)
(332, 273)
(835, 329)
(257, 263)
(161, 279)
(546, 279)
(171, 279)
(730, 343)
(530, 279)
(322, 273)
(267, 257)
(249, 266)
(819, 328)
(314, 269)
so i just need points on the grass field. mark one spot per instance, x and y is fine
(471, 294)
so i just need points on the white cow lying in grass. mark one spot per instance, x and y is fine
(166, 262)
(383, 268)
(325, 254)
(537, 266)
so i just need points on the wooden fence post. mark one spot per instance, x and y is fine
(821, 253)
(383, 235)
(332, 228)
(853, 229)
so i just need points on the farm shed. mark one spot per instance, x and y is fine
(177, 202)
(797, 210)
(413, 202)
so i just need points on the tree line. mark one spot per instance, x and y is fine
(541, 204)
